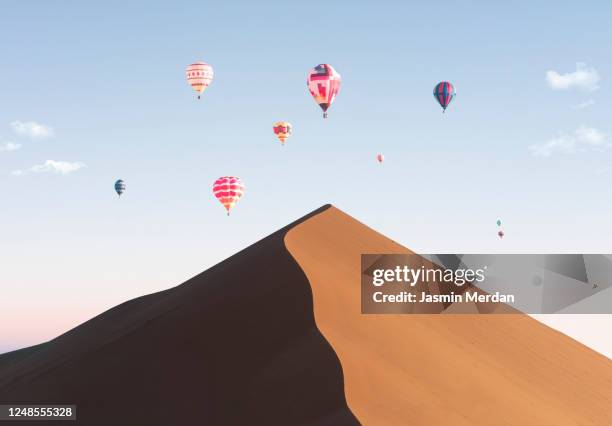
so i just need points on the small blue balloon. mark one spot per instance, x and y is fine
(120, 187)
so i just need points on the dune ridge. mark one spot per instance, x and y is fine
(224, 348)
(442, 369)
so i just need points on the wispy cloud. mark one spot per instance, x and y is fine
(584, 78)
(9, 146)
(585, 104)
(52, 166)
(583, 139)
(31, 129)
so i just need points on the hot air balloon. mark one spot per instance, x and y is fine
(500, 234)
(199, 76)
(228, 190)
(120, 187)
(380, 158)
(498, 222)
(324, 84)
(282, 130)
(444, 92)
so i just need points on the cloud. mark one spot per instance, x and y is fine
(584, 104)
(32, 129)
(9, 146)
(52, 166)
(583, 139)
(583, 78)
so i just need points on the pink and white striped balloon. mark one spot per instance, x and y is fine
(199, 76)
(228, 190)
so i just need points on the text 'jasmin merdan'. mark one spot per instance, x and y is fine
(411, 276)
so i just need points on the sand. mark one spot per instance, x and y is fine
(442, 369)
(274, 336)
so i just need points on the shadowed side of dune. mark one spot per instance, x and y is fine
(235, 345)
(442, 369)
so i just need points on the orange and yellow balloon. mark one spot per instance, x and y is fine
(199, 76)
(282, 130)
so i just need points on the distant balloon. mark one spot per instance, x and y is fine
(498, 222)
(500, 234)
(228, 190)
(120, 187)
(444, 92)
(199, 76)
(324, 84)
(282, 130)
(380, 158)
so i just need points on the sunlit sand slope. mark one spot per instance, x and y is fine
(442, 369)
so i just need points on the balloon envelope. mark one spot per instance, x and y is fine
(282, 130)
(380, 158)
(498, 222)
(500, 234)
(199, 76)
(444, 92)
(120, 187)
(324, 84)
(228, 190)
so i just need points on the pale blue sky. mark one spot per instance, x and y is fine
(109, 79)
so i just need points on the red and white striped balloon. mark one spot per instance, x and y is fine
(199, 76)
(380, 158)
(228, 190)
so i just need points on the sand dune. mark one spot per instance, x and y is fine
(247, 342)
(442, 369)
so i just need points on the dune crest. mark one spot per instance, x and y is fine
(235, 345)
(441, 369)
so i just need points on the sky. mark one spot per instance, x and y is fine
(95, 91)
